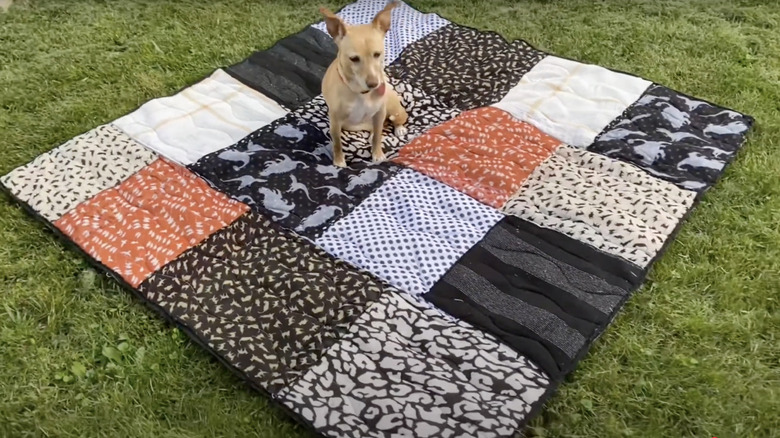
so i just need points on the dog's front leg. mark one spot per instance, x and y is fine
(335, 135)
(378, 124)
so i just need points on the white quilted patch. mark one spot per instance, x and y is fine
(571, 101)
(407, 24)
(608, 204)
(410, 231)
(208, 116)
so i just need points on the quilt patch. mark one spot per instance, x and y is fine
(266, 299)
(57, 181)
(409, 231)
(200, 119)
(407, 24)
(532, 294)
(152, 217)
(465, 68)
(611, 205)
(444, 292)
(484, 153)
(289, 72)
(571, 101)
(405, 371)
(676, 138)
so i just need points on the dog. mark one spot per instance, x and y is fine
(355, 86)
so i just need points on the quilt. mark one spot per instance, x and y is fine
(444, 292)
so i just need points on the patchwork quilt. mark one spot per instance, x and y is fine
(444, 292)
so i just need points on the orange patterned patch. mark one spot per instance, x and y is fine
(149, 219)
(485, 153)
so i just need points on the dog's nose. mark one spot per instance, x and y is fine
(372, 84)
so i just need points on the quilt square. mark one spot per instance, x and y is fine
(680, 139)
(57, 181)
(485, 153)
(611, 205)
(146, 221)
(571, 101)
(205, 117)
(465, 68)
(266, 300)
(291, 71)
(546, 295)
(285, 171)
(407, 24)
(403, 370)
(409, 231)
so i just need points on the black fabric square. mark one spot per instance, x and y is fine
(465, 68)
(544, 294)
(680, 139)
(291, 71)
(285, 171)
(266, 301)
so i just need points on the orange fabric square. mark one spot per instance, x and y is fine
(149, 219)
(485, 153)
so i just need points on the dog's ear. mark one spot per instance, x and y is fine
(336, 27)
(382, 19)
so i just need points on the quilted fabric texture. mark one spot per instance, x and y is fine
(407, 24)
(405, 371)
(56, 182)
(611, 205)
(677, 138)
(284, 171)
(484, 153)
(444, 292)
(200, 119)
(267, 300)
(149, 219)
(289, 72)
(409, 231)
(465, 68)
(532, 293)
(571, 101)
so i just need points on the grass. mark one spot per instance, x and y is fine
(694, 354)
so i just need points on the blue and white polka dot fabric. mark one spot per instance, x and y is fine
(407, 24)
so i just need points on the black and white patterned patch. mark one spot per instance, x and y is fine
(545, 298)
(284, 170)
(465, 68)
(57, 181)
(405, 371)
(677, 138)
(265, 300)
(289, 72)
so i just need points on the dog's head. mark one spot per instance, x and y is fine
(361, 55)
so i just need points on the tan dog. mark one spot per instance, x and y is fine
(355, 86)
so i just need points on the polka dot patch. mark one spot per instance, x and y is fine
(410, 231)
(407, 25)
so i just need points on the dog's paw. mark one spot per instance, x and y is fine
(378, 156)
(339, 162)
(400, 130)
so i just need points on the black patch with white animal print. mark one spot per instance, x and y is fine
(265, 300)
(465, 68)
(285, 171)
(679, 139)
(291, 71)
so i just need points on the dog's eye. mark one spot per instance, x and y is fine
(354, 58)
(376, 54)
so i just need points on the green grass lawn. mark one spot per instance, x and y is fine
(695, 353)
